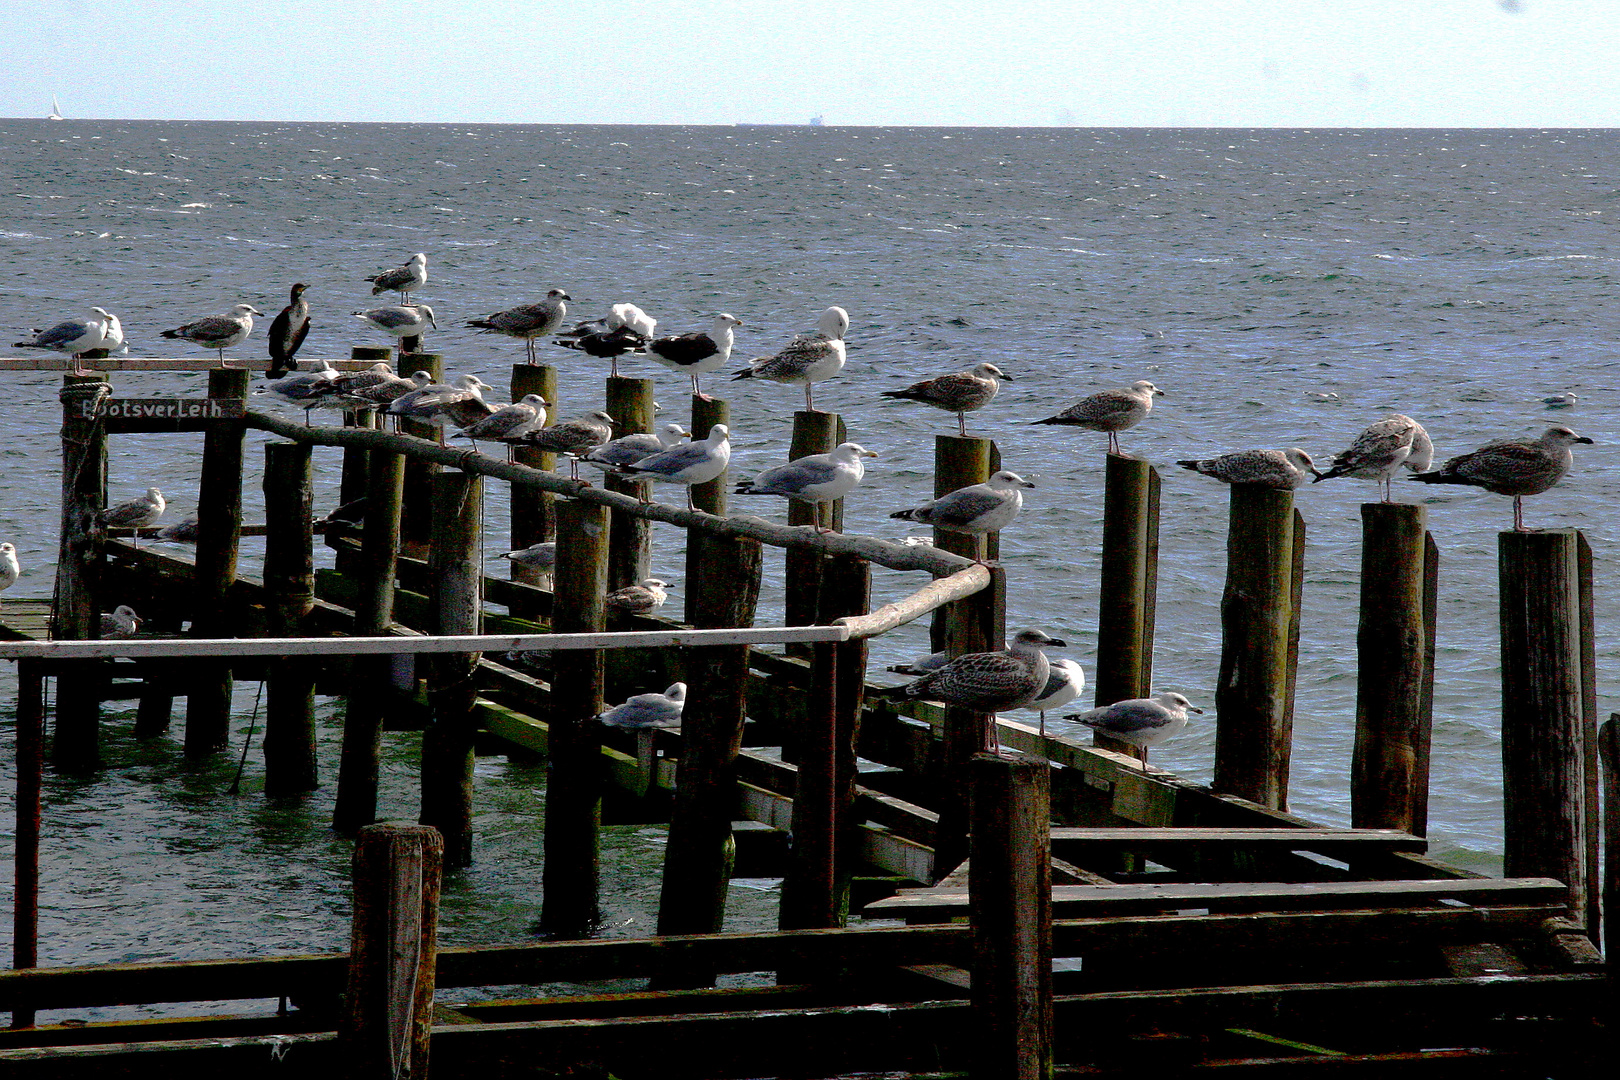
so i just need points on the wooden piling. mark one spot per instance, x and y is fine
(723, 592)
(1547, 733)
(447, 745)
(1252, 738)
(387, 1017)
(416, 516)
(219, 535)
(352, 478)
(289, 582)
(710, 497)
(1010, 905)
(815, 892)
(630, 403)
(534, 518)
(360, 761)
(813, 433)
(1130, 574)
(1389, 777)
(974, 624)
(959, 461)
(570, 882)
(77, 746)
(1608, 744)
(30, 766)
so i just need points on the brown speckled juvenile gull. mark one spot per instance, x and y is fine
(1142, 722)
(509, 423)
(527, 321)
(218, 332)
(141, 512)
(573, 437)
(960, 392)
(1512, 468)
(402, 279)
(1379, 451)
(1281, 469)
(1111, 411)
(642, 598)
(990, 682)
(808, 358)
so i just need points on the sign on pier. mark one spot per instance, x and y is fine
(162, 414)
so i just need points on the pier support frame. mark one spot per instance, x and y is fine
(1130, 583)
(289, 580)
(77, 745)
(630, 403)
(219, 537)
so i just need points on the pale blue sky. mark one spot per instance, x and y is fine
(1260, 63)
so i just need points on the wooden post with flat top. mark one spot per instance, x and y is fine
(534, 517)
(387, 1022)
(630, 403)
(960, 461)
(1010, 906)
(1548, 727)
(416, 516)
(974, 624)
(447, 744)
(219, 536)
(709, 497)
(1258, 634)
(813, 433)
(1389, 772)
(289, 583)
(570, 880)
(1130, 575)
(77, 746)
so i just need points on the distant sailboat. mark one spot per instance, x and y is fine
(56, 109)
(816, 121)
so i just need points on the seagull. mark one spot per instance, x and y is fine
(461, 403)
(980, 508)
(9, 567)
(1064, 680)
(573, 437)
(351, 514)
(1379, 451)
(689, 463)
(400, 320)
(649, 710)
(1512, 468)
(376, 388)
(989, 682)
(181, 532)
(629, 449)
(287, 332)
(922, 665)
(509, 423)
(605, 344)
(120, 622)
(305, 389)
(1560, 401)
(699, 353)
(960, 392)
(526, 322)
(76, 337)
(1283, 470)
(219, 332)
(808, 358)
(138, 513)
(642, 598)
(402, 279)
(542, 556)
(1142, 722)
(1110, 410)
(815, 479)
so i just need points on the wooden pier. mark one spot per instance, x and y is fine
(1056, 909)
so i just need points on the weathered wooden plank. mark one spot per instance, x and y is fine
(1124, 899)
(1076, 843)
(152, 363)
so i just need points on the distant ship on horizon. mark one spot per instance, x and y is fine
(814, 121)
(56, 110)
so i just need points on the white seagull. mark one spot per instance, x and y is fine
(815, 479)
(689, 463)
(697, 354)
(649, 710)
(1142, 722)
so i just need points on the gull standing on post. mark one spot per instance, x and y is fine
(219, 332)
(402, 279)
(808, 358)
(643, 598)
(526, 322)
(287, 333)
(977, 509)
(305, 389)
(138, 513)
(10, 569)
(1142, 722)
(573, 437)
(1380, 450)
(989, 682)
(815, 479)
(1283, 470)
(509, 423)
(77, 336)
(960, 392)
(1512, 468)
(697, 354)
(689, 463)
(629, 449)
(1111, 411)
(400, 320)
